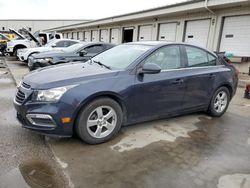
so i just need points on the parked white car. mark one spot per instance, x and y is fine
(56, 44)
(29, 41)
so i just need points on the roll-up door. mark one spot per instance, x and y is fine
(114, 36)
(145, 32)
(235, 37)
(197, 32)
(94, 36)
(87, 36)
(167, 31)
(104, 35)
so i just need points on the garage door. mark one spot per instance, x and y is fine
(167, 31)
(197, 32)
(74, 35)
(114, 39)
(236, 36)
(145, 32)
(80, 35)
(104, 35)
(94, 36)
(87, 36)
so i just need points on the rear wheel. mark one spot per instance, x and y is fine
(99, 121)
(219, 102)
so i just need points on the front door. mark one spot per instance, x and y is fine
(161, 94)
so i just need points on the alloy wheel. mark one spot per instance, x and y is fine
(220, 102)
(101, 121)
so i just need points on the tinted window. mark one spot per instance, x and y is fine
(64, 43)
(166, 57)
(198, 58)
(94, 49)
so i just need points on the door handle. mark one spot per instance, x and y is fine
(177, 81)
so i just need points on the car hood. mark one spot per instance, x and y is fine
(18, 34)
(38, 49)
(51, 54)
(68, 74)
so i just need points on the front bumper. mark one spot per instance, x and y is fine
(33, 64)
(9, 49)
(44, 118)
(21, 56)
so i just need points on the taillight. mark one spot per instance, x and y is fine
(248, 87)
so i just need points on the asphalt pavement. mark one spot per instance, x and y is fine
(191, 151)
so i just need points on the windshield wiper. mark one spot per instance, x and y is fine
(99, 63)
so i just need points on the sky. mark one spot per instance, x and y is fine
(74, 9)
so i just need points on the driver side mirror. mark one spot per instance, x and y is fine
(150, 68)
(53, 45)
(82, 53)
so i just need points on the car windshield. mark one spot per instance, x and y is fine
(120, 57)
(74, 48)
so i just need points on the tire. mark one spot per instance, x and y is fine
(93, 125)
(219, 102)
(15, 51)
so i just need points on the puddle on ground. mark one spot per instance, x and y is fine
(34, 174)
(234, 181)
(166, 130)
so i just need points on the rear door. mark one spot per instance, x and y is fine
(160, 94)
(200, 75)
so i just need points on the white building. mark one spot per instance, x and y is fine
(219, 25)
(35, 25)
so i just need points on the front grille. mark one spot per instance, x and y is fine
(20, 97)
(26, 86)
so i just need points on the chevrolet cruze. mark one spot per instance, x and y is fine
(127, 84)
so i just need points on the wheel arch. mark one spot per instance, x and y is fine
(111, 95)
(229, 87)
(18, 46)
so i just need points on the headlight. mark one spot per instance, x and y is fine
(47, 60)
(51, 95)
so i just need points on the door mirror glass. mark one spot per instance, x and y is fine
(150, 68)
(53, 45)
(82, 53)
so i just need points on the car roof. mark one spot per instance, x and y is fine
(151, 43)
(163, 43)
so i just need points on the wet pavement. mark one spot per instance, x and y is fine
(26, 159)
(188, 151)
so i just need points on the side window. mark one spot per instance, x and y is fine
(212, 60)
(58, 36)
(166, 57)
(61, 44)
(199, 58)
(94, 49)
(71, 43)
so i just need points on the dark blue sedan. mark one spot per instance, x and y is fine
(127, 84)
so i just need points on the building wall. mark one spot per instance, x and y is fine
(181, 19)
(35, 25)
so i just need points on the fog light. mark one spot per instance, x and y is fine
(42, 120)
(66, 120)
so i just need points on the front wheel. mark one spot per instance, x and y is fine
(99, 121)
(219, 102)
